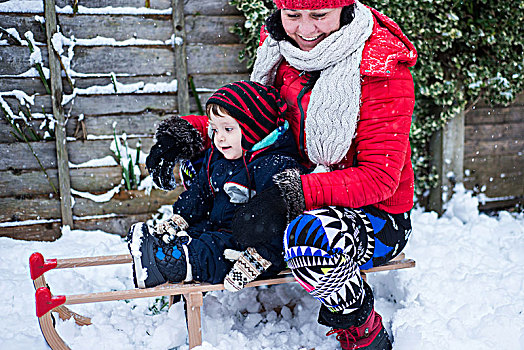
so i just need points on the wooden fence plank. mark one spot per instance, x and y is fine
(127, 203)
(211, 7)
(179, 47)
(14, 60)
(118, 226)
(494, 132)
(93, 180)
(40, 232)
(143, 124)
(155, 4)
(33, 85)
(18, 157)
(475, 148)
(128, 59)
(204, 59)
(107, 104)
(51, 231)
(123, 203)
(498, 163)
(14, 209)
(31, 183)
(212, 30)
(113, 104)
(509, 187)
(62, 159)
(498, 175)
(490, 115)
(133, 60)
(200, 29)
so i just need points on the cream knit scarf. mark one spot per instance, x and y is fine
(334, 107)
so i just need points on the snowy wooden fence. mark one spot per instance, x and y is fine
(135, 45)
(494, 153)
(483, 149)
(108, 45)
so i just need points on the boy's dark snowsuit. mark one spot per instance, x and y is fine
(220, 187)
(208, 209)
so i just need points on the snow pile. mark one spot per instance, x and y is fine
(36, 6)
(465, 293)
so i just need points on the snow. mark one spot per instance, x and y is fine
(109, 89)
(6, 108)
(14, 33)
(93, 163)
(36, 6)
(103, 41)
(21, 96)
(99, 198)
(467, 292)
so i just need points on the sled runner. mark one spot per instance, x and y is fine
(192, 293)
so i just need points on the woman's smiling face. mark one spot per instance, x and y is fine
(309, 27)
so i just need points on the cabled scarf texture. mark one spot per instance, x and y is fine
(334, 106)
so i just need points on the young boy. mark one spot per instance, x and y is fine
(250, 145)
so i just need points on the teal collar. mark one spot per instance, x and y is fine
(271, 138)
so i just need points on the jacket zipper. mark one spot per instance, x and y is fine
(308, 85)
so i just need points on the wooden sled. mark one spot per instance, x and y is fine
(192, 293)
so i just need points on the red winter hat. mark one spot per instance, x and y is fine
(312, 4)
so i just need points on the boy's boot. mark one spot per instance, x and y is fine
(156, 261)
(361, 329)
(141, 244)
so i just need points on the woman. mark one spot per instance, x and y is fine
(343, 69)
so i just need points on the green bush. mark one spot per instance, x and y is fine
(468, 51)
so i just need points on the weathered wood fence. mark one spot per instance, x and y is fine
(482, 148)
(136, 45)
(494, 153)
(140, 48)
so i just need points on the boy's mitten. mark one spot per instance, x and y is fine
(171, 227)
(176, 140)
(268, 213)
(248, 266)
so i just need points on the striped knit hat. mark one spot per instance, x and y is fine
(312, 4)
(257, 108)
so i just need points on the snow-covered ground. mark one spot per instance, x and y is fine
(467, 292)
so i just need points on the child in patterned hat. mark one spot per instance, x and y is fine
(251, 143)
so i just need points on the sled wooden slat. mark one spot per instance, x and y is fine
(192, 292)
(126, 258)
(163, 290)
(392, 265)
(94, 261)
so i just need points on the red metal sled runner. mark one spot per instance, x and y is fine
(192, 292)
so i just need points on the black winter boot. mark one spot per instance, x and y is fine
(141, 245)
(361, 329)
(156, 260)
(172, 258)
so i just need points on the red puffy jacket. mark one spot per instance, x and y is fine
(377, 169)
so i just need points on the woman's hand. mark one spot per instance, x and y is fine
(176, 140)
(248, 266)
(268, 213)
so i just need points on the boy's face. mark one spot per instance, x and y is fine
(227, 136)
